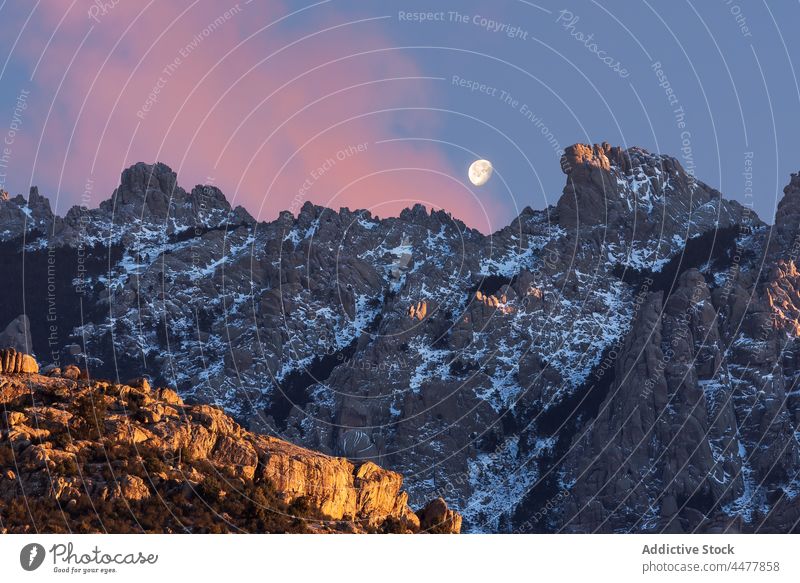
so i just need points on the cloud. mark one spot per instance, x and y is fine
(223, 97)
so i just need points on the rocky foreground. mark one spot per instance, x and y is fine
(80, 455)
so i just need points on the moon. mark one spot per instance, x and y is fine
(480, 171)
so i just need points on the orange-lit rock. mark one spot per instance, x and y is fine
(783, 296)
(161, 447)
(418, 310)
(500, 304)
(13, 362)
(535, 292)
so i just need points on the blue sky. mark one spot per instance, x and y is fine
(510, 81)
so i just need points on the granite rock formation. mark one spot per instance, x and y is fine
(13, 362)
(82, 455)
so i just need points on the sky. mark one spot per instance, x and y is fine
(381, 105)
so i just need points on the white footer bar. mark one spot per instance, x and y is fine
(388, 558)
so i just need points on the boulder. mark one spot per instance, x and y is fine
(71, 372)
(132, 488)
(436, 518)
(17, 334)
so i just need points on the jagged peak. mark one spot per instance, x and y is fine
(142, 178)
(206, 196)
(790, 192)
(580, 155)
(156, 185)
(156, 170)
(417, 212)
(40, 205)
(787, 217)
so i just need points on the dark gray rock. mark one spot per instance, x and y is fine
(17, 335)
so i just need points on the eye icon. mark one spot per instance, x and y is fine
(31, 556)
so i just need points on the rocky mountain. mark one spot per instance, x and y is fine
(622, 361)
(80, 455)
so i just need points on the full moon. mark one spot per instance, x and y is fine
(480, 171)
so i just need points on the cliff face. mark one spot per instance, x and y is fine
(92, 455)
(625, 360)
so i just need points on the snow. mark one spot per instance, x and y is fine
(500, 479)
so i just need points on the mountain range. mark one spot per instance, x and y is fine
(621, 361)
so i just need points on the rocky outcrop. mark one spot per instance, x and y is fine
(54, 429)
(636, 197)
(660, 415)
(418, 310)
(13, 362)
(436, 517)
(785, 241)
(20, 217)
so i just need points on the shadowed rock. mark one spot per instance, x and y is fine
(17, 334)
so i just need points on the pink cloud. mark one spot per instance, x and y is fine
(199, 87)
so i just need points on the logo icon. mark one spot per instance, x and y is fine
(31, 556)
